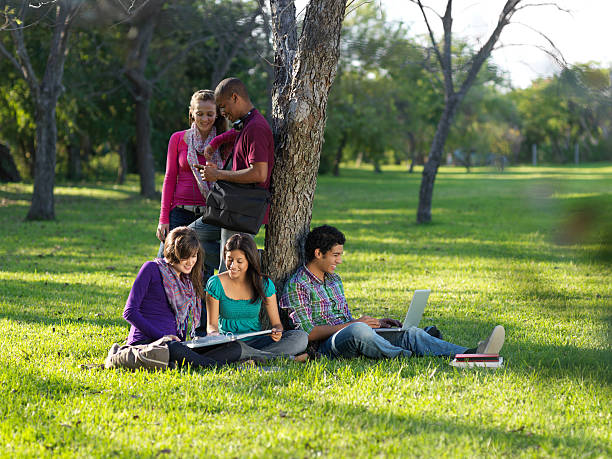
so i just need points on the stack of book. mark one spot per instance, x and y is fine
(477, 360)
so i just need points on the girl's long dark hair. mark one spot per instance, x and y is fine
(182, 242)
(247, 245)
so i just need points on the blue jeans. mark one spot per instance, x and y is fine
(208, 234)
(359, 339)
(293, 342)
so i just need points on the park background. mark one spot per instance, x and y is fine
(516, 240)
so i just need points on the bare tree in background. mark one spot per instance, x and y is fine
(304, 71)
(44, 90)
(452, 95)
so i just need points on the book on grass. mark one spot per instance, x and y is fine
(203, 341)
(477, 357)
(477, 360)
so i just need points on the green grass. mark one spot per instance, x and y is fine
(490, 256)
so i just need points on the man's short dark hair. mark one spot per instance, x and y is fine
(230, 86)
(322, 238)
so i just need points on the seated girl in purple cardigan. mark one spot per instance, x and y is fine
(167, 295)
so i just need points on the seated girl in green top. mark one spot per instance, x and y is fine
(234, 299)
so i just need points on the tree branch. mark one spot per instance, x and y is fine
(447, 66)
(484, 52)
(431, 35)
(23, 58)
(177, 58)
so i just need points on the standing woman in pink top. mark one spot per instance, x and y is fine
(184, 192)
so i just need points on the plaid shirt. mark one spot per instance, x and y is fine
(312, 302)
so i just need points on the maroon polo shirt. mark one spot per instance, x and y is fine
(255, 144)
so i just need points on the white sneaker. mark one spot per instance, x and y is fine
(494, 343)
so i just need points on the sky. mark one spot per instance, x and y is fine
(582, 35)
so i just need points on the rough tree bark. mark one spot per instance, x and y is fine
(304, 72)
(45, 93)
(452, 97)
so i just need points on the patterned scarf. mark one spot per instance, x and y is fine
(195, 144)
(182, 298)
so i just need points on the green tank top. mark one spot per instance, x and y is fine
(237, 316)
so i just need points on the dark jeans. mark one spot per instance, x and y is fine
(182, 217)
(212, 356)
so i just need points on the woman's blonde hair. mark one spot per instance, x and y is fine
(206, 95)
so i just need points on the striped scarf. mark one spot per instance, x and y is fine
(182, 298)
(195, 145)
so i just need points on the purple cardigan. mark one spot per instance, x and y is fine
(147, 308)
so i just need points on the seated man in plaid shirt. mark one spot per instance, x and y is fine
(314, 298)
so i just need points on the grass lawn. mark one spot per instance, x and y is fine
(490, 256)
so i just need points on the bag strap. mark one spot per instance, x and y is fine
(228, 162)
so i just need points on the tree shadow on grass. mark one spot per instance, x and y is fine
(58, 435)
(555, 361)
(371, 426)
(33, 302)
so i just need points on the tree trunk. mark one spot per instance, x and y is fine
(8, 169)
(303, 77)
(142, 89)
(338, 157)
(453, 98)
(412, 141)
(122, 170)
(43, 202)
(433, 163)
(75, 170)
(359, 159)
(144, 154)
(376, 164)
(45, 93)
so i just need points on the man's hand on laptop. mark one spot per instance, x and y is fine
(371, 321)
(389, 323)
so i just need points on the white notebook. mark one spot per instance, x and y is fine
(203, 341)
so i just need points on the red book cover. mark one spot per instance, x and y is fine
(477, 357)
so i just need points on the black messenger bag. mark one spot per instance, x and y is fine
(236, 206)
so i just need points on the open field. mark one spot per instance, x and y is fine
(491, 256)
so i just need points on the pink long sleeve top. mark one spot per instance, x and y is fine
(180, 187)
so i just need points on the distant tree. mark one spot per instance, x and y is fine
(376, 104)
(456, 84)
(44, 90)
(565, 110)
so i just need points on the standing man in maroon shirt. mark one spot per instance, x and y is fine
(252, 155)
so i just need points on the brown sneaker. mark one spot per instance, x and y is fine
(301, 358)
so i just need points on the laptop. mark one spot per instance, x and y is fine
(414, 313)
